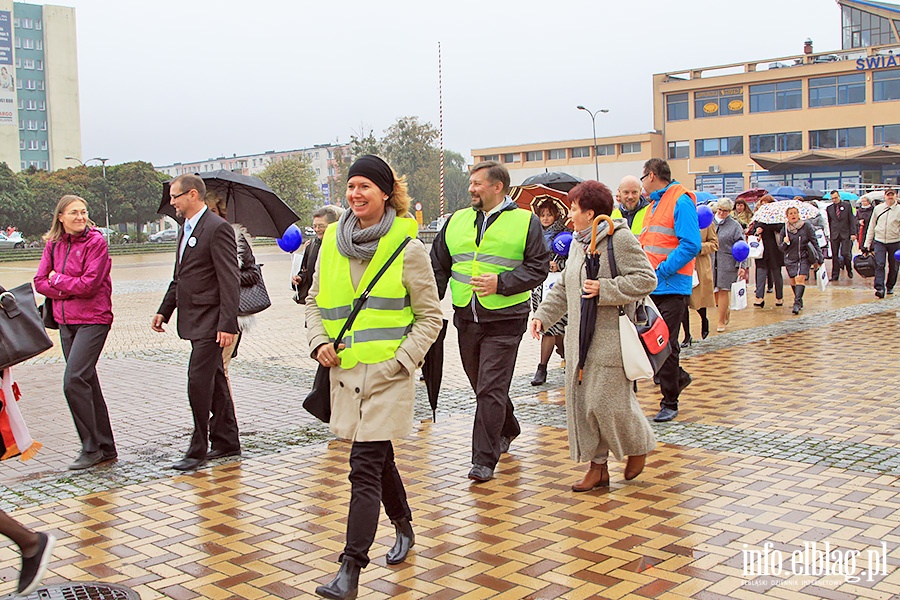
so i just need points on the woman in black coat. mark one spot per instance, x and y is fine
(801, 251)
(768, 268)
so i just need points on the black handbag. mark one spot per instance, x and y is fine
(318, 401)
(254, 298)
(46, 309)
(22, 333)
(864, 264)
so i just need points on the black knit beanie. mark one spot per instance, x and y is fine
(375, 169)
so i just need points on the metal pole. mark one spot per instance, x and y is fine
(594, 132)
(105, 196)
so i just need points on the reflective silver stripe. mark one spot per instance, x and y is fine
(658, 250)
(464, 257)
(336, 314)
(381, 334)
(387, 303)
(661, 229)
(347, 342)
(467, 279)
(499, 260)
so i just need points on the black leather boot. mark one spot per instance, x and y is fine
(540, 376)
(345, 585)
(405, 540)
(800, 290)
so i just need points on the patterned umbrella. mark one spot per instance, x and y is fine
(531, 196)
(776, 212)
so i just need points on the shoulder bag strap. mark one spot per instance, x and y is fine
(357, 306)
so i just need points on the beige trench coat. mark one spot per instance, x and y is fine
(602, 412)
(373, 403)
(703, 295)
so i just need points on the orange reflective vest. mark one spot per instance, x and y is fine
(658, 237)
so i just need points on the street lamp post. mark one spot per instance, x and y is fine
(594, 130)
(105, 190)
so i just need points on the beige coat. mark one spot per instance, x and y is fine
(372, 403)
(703, 295)
(602, 412)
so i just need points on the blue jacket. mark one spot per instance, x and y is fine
(687, 230)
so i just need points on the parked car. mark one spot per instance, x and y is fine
(13, 240)
(166, 235)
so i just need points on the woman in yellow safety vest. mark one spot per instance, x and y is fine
(372, 387)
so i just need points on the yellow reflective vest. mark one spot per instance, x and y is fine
(638, 224)
(502, 249)
(386, 317)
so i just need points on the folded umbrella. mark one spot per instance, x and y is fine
(433, 369)
(250, 202)
(588, 321)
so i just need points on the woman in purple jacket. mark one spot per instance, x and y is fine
(75, 273)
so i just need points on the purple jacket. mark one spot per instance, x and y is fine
(81, 289)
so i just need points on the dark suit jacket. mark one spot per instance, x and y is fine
(841, 221)
(206, 286)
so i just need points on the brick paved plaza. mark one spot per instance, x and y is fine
(788, 437)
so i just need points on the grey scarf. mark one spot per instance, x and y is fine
(354, 242)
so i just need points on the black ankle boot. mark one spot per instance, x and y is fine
(345, 585)
(540, 376)
(405, 540)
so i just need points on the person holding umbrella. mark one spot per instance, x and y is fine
(492, 255)
(798, 242)
(768, 268)
(371, 373)
(602, 410)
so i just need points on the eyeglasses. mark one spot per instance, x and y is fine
(77, 213)
(646, 175)
(176, 196)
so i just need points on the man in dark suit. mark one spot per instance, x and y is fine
(205, 289)
(843, 233)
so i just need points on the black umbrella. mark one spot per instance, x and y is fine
(250, 202)
(433, 369)
(557, 181)
(589, 305)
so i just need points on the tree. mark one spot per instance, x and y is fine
(294, 181)
(410, 147)
(135, 192)
(364, 143)
(17, 208)
(42, 190)
(340, 162)
(456, 182)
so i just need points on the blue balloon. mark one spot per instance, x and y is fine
(561, 243)
(897, 255)
(704, 216)
(740, 251)
(291, 239)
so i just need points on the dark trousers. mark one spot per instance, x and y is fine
(81, 346)
(672, 308)
(208, 393)
(773, 276)
(488, 352)
(374, 480)
(840, 256)
(884, 255)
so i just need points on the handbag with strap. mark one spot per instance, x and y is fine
(318, 401)
(22, 333)
(46, 309)
(644, 360)
(254, 298)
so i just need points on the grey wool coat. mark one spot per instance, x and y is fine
(725, 268)
(602, 412)
(373, 403)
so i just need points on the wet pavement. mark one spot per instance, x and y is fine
(788, 438)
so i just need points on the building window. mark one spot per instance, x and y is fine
(494, 157)
(42, 105)
(534, 155)
(831, 91)
(45, 165)
(43, 125)
(33, 163)
(719, 146)
(18, 42)
(886, 85)
(21, 104)
(21, 144)
(862, 29)
(677, 107)
(32, 144)
(39, 45)
(18, 63)
(31, 105)
(22, 164)
(512, 157)
(886, 135)
(39, 65)
(21, 125)
(28, 44)
(851, 137)
(776, 142)
(557, 154)
(581, 152)
(32, 125)
(27, 24)
(18, 83)
(719, 103)
(606, 150)
(38, 24)
(43, 144)
(630, 148)
(30, 84)
(17, 22)
(40, 85)
(769, 97)
(679, 150)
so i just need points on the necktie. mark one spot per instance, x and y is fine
(185, 238)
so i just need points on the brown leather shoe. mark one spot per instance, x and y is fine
(597, 476)
(634, 466)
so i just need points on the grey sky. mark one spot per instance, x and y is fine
(188, 80)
